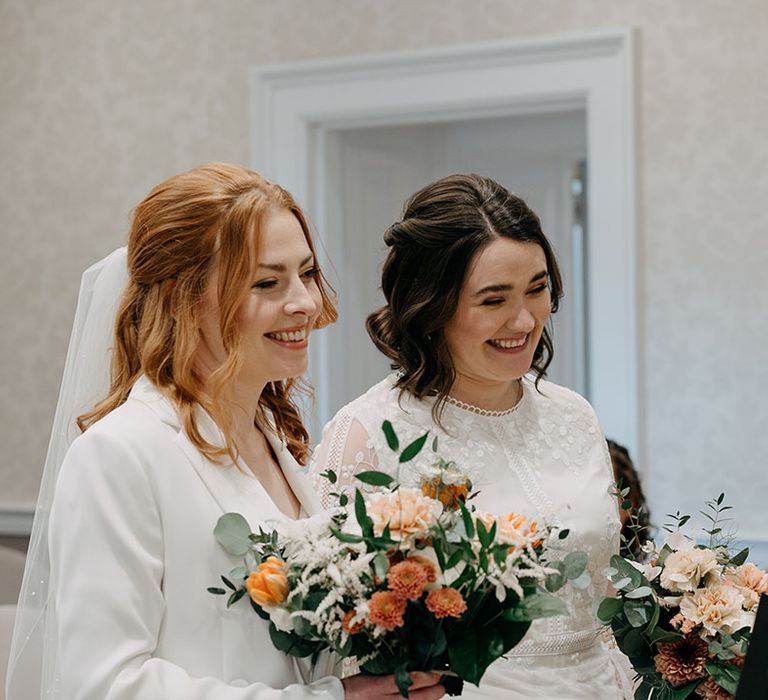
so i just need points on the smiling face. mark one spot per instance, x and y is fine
(503, 306)
(279, 312)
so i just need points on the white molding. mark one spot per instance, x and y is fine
(293, 107)
(16, 521)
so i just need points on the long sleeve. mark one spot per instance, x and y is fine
(345, 449)
(106, 541)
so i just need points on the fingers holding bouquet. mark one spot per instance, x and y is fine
(424, 686)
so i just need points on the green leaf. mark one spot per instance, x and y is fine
(233, 533)
(330, 475)
(366, 524)
(434, 444)
(389, 433)
(563, 534)
(236, 596)
(575, 564)
(216, 591)
(413, 449)
(482, 534)
(471, 652)
(554, 582)
(374, 478)
(536, 606)
(641, 592)
(608, 609)
(636, 613)
(403, 680)
(380, 565)
(725, 675)
(343, 500)
(467, 518)
(684, 691)
(345, 536)
(740, 558)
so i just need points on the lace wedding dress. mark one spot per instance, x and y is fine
(546, 458)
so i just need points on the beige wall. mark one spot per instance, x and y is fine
(99, 101)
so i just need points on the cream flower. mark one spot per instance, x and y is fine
(717, 608)
(684, 569)
(511, 529)
(751, 581)
(407, 512)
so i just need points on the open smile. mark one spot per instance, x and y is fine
(509, 345)
(295, 338)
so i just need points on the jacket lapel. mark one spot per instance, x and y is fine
(233, 488)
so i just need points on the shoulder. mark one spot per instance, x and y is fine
(552, 397)
(123, 443)
(379, 396)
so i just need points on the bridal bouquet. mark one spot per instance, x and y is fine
(685, 617)
(401, 579)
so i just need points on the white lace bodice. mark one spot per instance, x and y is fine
(546, 459)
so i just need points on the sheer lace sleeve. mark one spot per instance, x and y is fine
(346, 449)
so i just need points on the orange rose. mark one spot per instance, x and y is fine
(268, 585)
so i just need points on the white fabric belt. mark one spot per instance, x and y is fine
(562, 644)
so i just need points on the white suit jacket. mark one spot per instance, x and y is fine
(133, 551)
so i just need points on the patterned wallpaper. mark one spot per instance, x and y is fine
(99, 101)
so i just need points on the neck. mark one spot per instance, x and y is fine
(488, 395)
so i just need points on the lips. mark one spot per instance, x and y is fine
(507, 343)
(292, 336)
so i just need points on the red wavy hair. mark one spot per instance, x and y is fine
(215, 210)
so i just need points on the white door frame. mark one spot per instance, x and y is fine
(294, 105)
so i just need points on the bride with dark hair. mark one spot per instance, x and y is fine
(470, 281)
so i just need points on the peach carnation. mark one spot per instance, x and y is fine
(386, 610)
(685, 569)
(407, 579)
(268, 584)
(752, 581)
(717, 608)
(512, 529)
(445, 602)
(427, 565)
(682, 661)
(407, 511)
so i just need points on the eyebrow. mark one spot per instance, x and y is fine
(279, 267)
(508, 287)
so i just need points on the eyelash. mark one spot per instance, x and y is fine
(309, 274)
(495, 301)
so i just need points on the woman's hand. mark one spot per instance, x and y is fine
(426, 686)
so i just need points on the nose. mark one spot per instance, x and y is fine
(300, 300)
(522, 321)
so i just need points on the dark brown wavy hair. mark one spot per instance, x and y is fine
(212, 210)
(444, 226)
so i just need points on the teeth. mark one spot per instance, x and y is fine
(507, 344)
(290, 337)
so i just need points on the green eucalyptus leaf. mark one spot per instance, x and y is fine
(641, 592)
(684, 691)
(575, 565)
(725, 675)
(554, 582)
(413, 449)
(375, 478)
(636, 613)
(582, 582)
(390, 435)
(536, 606)
(233, 533)
(608, 609)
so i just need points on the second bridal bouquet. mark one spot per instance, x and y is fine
(684, 614)
(401, 579)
